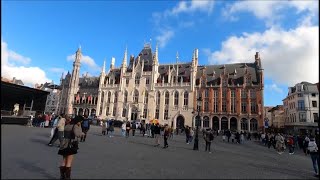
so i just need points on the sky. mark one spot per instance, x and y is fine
(39, 38)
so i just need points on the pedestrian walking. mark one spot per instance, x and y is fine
(305, 144)
(157, 134)
(103, 128)
(123, 129)
(128, 127)
(166, 136)
(133, 127)
(191, 134)
(208, 137)
(314, 154)
(280, 146)
(290, 142)
(59, 131)
(85, 125)
(111, 128)
(187, 134)
(69, 146)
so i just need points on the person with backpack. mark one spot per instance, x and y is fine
(314, 153)
(290, 143)
(208, 137)
(166, 136)
(85, 125)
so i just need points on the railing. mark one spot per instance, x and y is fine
(169, 84)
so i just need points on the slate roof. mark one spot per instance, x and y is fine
(89, 81)
(235, 71)
(146, 56)
(184, 70)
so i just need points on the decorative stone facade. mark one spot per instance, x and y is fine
(145, 90)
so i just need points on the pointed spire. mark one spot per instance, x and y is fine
(235, 71)
(104, 66)
(124, 61)
(62, 75)
(177, 57)
(156, 53)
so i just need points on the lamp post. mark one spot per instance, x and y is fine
(196, 139)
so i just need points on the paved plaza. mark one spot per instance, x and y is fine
(25, 155)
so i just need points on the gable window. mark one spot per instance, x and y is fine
(176, 98)
(135, 96)
(185, 100)
(158, 98)
(167, 98)
(146, 94)
(137, 79)
(125, 97)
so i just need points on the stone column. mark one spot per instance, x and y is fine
(210, 122)
(229, 123)
(239, 124)
(249, 125)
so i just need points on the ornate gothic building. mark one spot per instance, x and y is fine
(143, 90)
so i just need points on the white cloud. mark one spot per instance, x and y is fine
(274, 87)
(288, 57)
(190, 7)
(164, 37)
(160, 19)
(272, 11)
(9, 69)
(86, 60)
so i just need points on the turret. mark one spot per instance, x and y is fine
(112, 63)
(155, 66)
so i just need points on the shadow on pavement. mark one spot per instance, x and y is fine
(29, 166)
(41, 141)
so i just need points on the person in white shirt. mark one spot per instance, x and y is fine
(60, 132)
(314, 154)
(123, 129)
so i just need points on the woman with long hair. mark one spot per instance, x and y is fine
(72, 132)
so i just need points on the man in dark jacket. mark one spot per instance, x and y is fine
(133, 127)
(85, 125)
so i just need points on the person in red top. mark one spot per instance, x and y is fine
(290, 143)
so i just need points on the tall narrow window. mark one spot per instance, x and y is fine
(115, 100)
(157, 114)
(114, 110)
(185, 100)
(243, 93)
(167, 98)
(158, 98)
(165, 115)
(206, 100)
(124, 112)
(243, 107)
(125, 98)
(147, 81)
(215, 103)
(137, 79)
(253, 107)
(145, 111)
(176, 99)
(146, 94)
(109, 96)
(233, 101)
(136, 96)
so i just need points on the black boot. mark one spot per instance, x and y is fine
(62, 172)
(68, 172)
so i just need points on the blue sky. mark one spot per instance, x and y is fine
(38, 38)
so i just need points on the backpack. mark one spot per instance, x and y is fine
(85, 124)
(211, 137)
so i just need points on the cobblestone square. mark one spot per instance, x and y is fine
(25, 155)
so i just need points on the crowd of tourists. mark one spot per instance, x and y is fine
(69, 131)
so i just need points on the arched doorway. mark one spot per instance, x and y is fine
(253, 125)
(134, 114)
(215, 123)
(205, 122)
(180, 122)
(93, 113)
(86, 112)
(233, 124)
(224, 123)
(74, 111)
(244, 124)
(80, 112)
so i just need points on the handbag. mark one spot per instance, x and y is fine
(74, 145)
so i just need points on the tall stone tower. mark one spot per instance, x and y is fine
(74, 81)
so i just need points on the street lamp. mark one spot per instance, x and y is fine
(196, 139)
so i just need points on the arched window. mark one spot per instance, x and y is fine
(166, 98)
(137, 79)
(158, 98)
(109, 96)
(135, 96)
(244, 124)
(176, 98)
(146, 94)
(125, 100)
(185, 98)
(206, 122)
